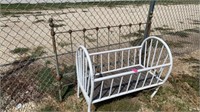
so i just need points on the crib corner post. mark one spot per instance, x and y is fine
(89, 107)
(154, 93)
(78, 91)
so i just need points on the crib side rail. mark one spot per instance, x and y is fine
(130, 72)
(128, 82)
(113, 60)
(84, 73)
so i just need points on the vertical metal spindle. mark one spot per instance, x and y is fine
(159, 56)
(128, 62)
(120, 26)
(93, 59)
(155, 49)
(83, 65)
(120, 84)
(101, 63)
(108, 61)
(88, 84)
(111, 85)
(79, 65)
(135, 52)
(145, 49)
(130, 78)
(97, 34)
(139, 30)
(84, 36)
(140, 56)
(101, 89)
(130, 25)
(161, 69)
(138, 78)
(115, 60)
(122, 59)
(86, 72)
(78, 73)
(71, 42)
(154, 54)
(149, 53)
(145, 78)
(108, 37)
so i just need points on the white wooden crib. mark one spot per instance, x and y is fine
(109, 74)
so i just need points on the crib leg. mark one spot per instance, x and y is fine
(89, 107)
(78, 91)
(153, 94)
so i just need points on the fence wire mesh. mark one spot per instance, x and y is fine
(27, 63)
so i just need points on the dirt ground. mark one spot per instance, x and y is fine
(179, 93)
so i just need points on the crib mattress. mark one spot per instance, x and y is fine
(116, 83)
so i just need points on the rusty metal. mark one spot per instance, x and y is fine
(108, 37)
(112, 26)
(58, 75)
(149, 18)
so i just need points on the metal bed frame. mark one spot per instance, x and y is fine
(113, 73)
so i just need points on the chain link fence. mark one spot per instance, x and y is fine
(27, 57)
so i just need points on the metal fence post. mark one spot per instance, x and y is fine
(148, 25)
(58, 75)
(149, 18)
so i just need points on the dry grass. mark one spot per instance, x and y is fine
(180, 93)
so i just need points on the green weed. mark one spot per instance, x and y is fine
(190, 60)
(196, 22)
(63, 44)
(49, 108)
(165, 25)
(181, 22)
(192, 81)
(130, 35)
(175, 44)
(182, 106)
(46, 79)
(163, 28)
(90, 39)
(178, 33)
(38, 21)
(15, 13)
(195, 70)
(59, 25)
(193, 30)
(38, 51)
(20, 50)
(5, 25)
(120, 105)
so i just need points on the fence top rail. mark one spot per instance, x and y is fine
(98, 28)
